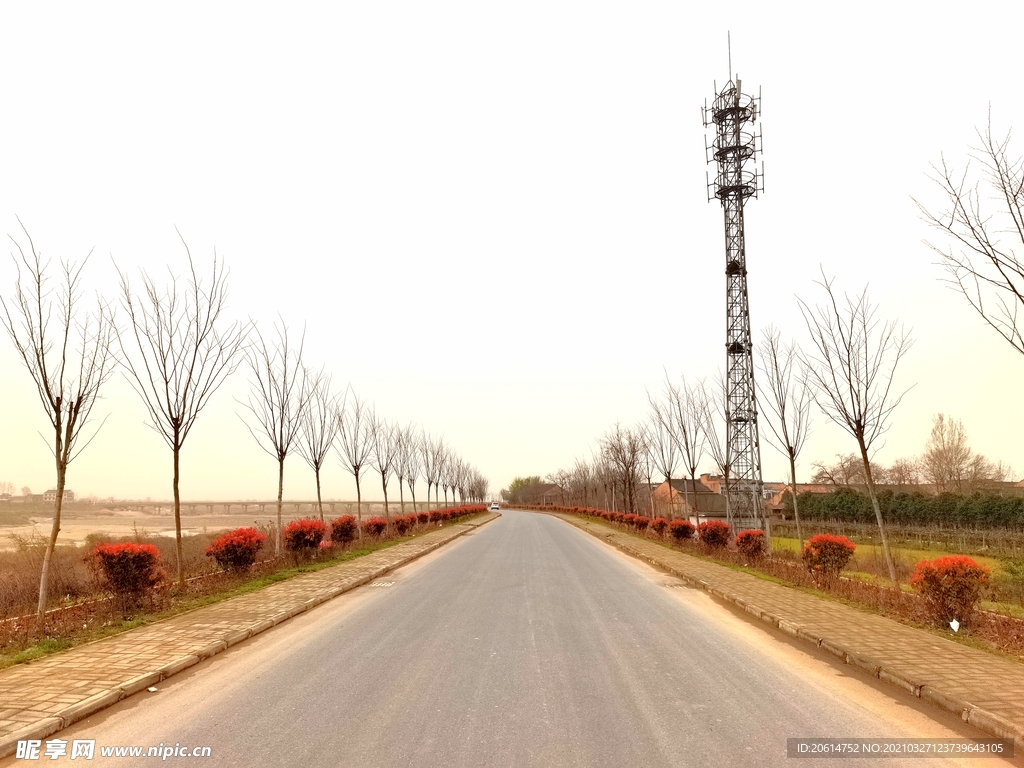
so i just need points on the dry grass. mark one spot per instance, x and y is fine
(80, 611)
(869, 588)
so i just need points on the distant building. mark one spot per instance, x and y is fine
(684, 498)
(547, 494)
(51, 496)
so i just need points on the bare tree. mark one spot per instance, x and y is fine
(982, 230)
(647, 464)
(319, 427)
(851, 370)
(684, 405)
(905, 472)
(624, 449)
(711, 410)
(356, 446)
(384, 453)
(278, 399)
(787, 393)
(950, 464)
(181, 351)
(68, 356)
(848, 469)
(662, 443)
(429, 453)
(411, 462)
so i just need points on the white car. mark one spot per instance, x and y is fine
(494, 506)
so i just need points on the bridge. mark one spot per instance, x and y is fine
(332, 507)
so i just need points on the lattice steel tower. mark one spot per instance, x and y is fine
(734, 147)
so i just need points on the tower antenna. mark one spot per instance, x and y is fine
(728, 44)
(734, 146)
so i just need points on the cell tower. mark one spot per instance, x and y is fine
(734, 147)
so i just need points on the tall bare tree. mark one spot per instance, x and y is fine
(177, 351)
(319, 427)
(430, 451)
(851, 370)
(624, 448)
(983, 225)
(787, 394)
(68, 354)
(684, 404)
(277, 400)
(662, 443)
(384, 453)
(411, 461)
(355, 444)
(949, 462)
(713, 424)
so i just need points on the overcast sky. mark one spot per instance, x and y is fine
(492, 218)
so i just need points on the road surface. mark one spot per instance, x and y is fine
(526, 643)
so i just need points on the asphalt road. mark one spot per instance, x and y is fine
(527, 643)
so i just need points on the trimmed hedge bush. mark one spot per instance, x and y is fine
(982, 510)
(752, 544)
(659, 525)
(303, 535)
(423, 518)
(375, 526)
(343, 529)
(130, 570)
(826, 555)
(714, 533)
(681, 529)
(236, 550)
(951, 586)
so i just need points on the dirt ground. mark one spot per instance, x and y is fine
(75, 526)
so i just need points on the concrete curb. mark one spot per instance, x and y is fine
(969, 713)
(93, 704)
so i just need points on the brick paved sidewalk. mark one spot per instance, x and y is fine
(984, 689)
(41, 697)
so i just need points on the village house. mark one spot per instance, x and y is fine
(51, 496)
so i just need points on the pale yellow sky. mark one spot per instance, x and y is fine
(493, 220)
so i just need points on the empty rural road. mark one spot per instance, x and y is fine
(527, 643)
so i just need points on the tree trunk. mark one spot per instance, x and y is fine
(280, 500)
(319, 501)
(359, 509)
(51, 544)
(412, 490)
(693, 482)
(878, 511)
(401, 495)
(796, 512)
(177, 513)
(384, 485)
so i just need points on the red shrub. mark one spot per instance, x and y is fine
(343, 529)
(618, 517)
(302, 535)
(375, 526)
(435, 516)
(403, 524)
(951, 586)
(714, 533)
(640, 522)
(751, 544)
(681, 529)
(236, 550)
(658, 525)
(130, 570)
(826, 555)
(423, 517)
